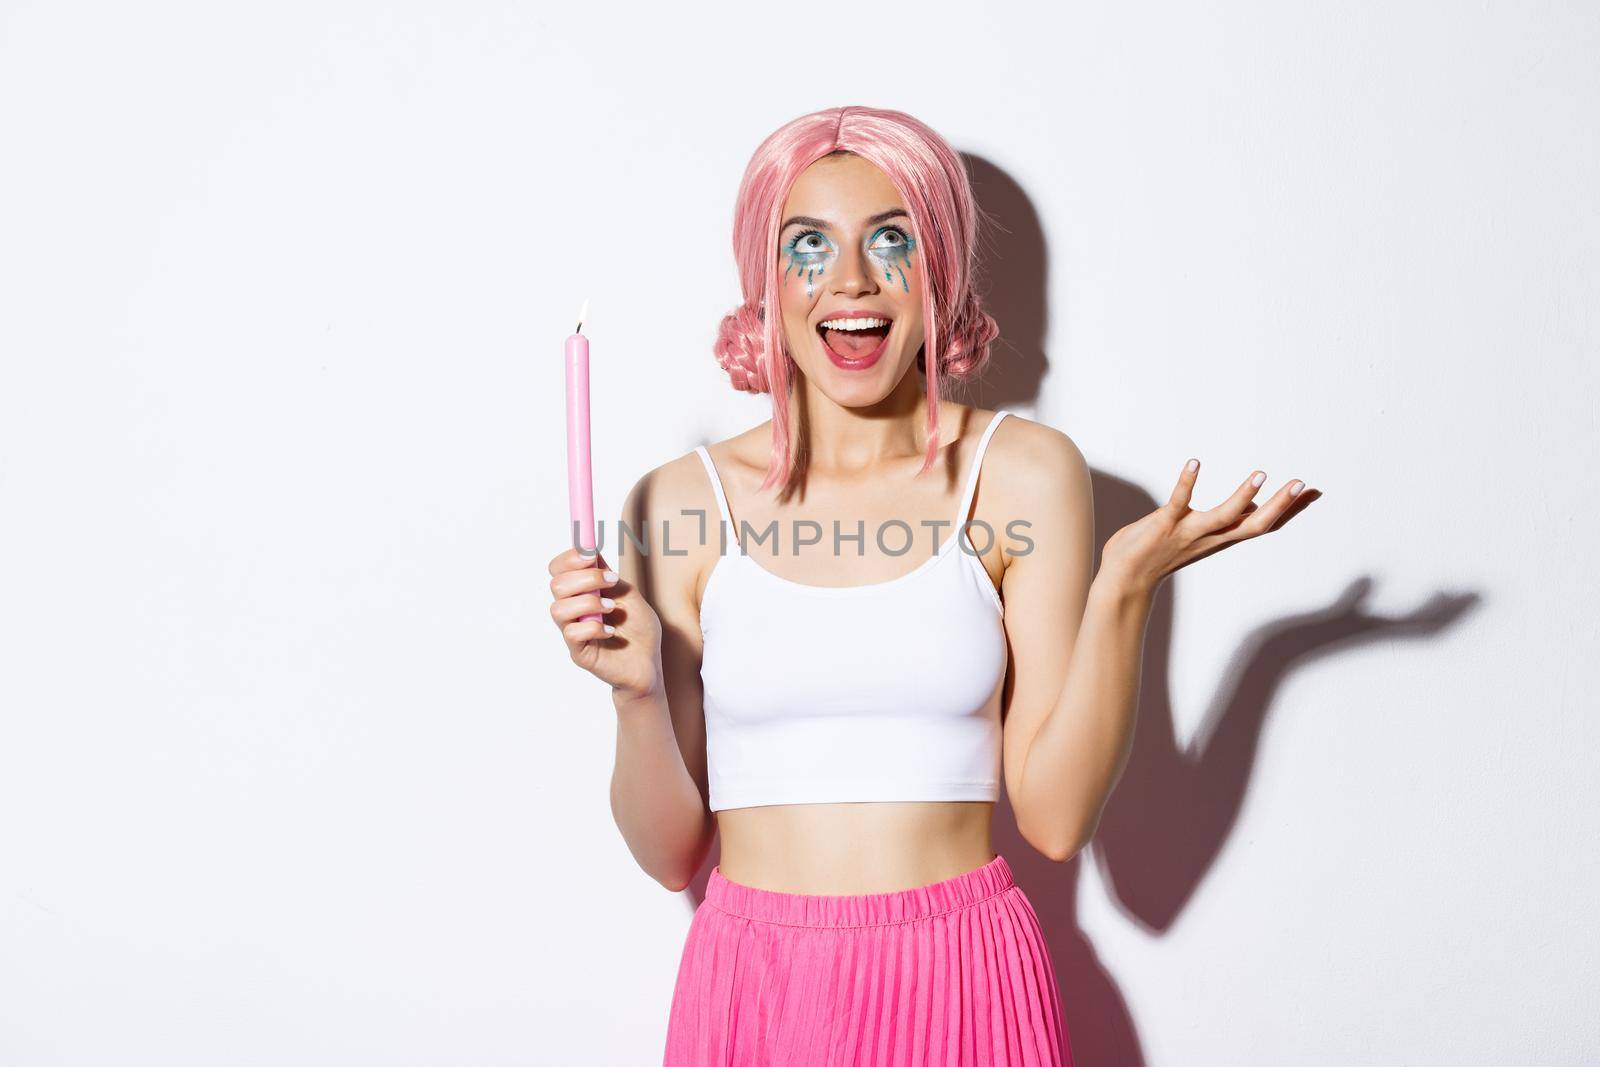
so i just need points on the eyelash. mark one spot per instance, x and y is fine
(794, 243)
(803, 234)
(904, 236)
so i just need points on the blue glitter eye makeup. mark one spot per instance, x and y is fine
(891, 248)
(809, 252)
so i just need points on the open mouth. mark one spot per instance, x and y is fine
(855, 343)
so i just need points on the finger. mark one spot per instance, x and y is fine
(583, 580)
(1181, 493)
(579, 634)
(574, 559)
(571, 559)
(1259, 519)
(1271, 515)
(1301, 501)
(1227, 513)
(568, 608)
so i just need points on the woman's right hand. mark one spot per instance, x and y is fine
(629, 658)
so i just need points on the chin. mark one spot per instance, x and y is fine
(861, 389)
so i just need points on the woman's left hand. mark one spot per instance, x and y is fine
(1173, 536)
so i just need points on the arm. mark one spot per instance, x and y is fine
(658, 784)
(1079, 751)
(1076, 648)
(1072, 744)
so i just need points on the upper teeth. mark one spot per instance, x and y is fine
(854, 324)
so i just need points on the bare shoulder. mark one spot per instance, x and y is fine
(684, 483)
(661, 544)
(671, 512)
(1037, 459)
(1040, 477)
(662, 491)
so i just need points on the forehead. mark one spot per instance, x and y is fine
(841, 189)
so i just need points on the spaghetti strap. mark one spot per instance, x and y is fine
(716, 484)
(977, 463)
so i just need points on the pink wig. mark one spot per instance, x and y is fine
(934, 185)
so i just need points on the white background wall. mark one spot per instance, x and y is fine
(293, 767)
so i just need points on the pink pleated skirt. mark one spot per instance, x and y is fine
(952, 973)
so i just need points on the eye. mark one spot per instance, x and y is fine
(890, 239)
(809, 243)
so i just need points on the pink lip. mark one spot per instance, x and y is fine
(865, 361)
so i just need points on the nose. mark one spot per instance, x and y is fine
(856, 277)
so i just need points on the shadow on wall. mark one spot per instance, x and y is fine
(1174, 806)
(1013, 272)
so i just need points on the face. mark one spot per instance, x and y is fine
(851, 286)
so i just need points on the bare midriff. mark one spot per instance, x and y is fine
(836, 849)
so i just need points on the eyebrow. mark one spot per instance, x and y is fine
(822, 224)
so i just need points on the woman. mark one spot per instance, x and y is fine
(841, 710)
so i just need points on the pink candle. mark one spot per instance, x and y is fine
(580, 484)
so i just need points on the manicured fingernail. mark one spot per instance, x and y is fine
(1295, 487)
(610, 629)
(1257, 478)
(1192, 466)
(606, 603)
(609, 576)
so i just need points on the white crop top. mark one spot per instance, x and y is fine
(878, 692)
